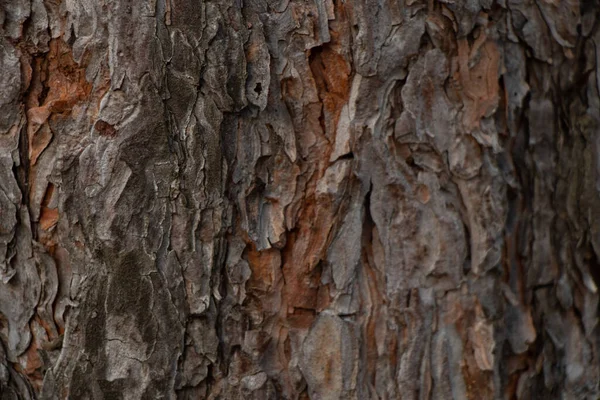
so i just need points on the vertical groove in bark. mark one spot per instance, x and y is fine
(325, 199)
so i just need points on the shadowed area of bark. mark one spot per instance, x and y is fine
(318, 199)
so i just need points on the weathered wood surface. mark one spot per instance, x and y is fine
(326, 199)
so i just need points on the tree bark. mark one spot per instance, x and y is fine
(325, 199)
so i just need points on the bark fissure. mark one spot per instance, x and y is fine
(306, 199)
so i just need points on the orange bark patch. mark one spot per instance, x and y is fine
(38, 132)
(479, 82)
(331, 73)
(307, 244)
(263, 265)
(305, 248)
(48, 218)
(65, 78)
(58, 84)
(301, 319)
(49, 215)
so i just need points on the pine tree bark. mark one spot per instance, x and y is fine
(328, 199)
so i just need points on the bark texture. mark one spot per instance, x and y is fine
(325, 199)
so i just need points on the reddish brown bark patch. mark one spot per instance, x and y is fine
(331, 73)
(105, 129)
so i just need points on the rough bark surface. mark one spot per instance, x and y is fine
(325, 199)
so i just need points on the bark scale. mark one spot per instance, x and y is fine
(299, 199)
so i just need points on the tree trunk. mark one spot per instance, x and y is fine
(325, 199)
